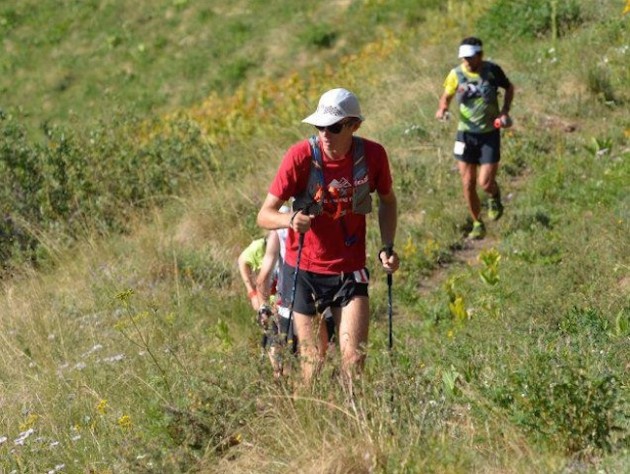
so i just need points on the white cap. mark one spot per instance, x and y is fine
(468, 50)
(334, 105)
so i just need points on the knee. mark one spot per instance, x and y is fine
(485, 184)
(352, 354)
(489, 186)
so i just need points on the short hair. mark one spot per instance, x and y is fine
(472, 40)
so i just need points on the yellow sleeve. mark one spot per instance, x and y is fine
(450, 83)
(254, 253)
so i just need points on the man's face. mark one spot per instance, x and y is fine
(336, 137)
(473, 62)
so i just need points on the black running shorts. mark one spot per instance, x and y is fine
(314, 292)
(478, 148)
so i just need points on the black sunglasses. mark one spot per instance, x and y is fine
(335, 128)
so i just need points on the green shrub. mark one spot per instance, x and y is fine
(72, 182)
(562, 399)
(201, 267)
(510, 19)
(320, 36)
(599, 83)
(584, 322)
(235, 72)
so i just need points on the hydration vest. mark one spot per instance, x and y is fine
(311, 198)
(484, 88)
(477, 100)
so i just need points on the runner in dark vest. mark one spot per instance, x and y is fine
(475, 85)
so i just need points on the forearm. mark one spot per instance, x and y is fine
(251, 286)
(445, 102)
(507, 101)
(443, 105)
(388, 219)
(263, 291)
(263, 283)
(246, 276)
(269, 217)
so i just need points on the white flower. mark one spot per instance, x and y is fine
(96, 347)
(23, 436)
(115, 358)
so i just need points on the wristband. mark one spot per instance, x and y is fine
(252, 293)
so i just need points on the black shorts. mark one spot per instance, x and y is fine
(478, 148)
(314, 292)
(283, 317)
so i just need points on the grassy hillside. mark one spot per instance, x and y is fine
(126, 341)
(76, 62)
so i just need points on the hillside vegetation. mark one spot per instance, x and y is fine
(137, 141)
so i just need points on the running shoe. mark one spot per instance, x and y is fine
(478, 231)
(495, 208)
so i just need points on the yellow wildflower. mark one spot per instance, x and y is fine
(30, 421)
(458, 309)
(125, 422)
(431, 248)
(409, 249)
(102, 407)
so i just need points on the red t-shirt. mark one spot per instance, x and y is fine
(325, 250)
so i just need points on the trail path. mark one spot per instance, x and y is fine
(466, 255)
(470, 249)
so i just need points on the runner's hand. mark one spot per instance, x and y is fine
(442, 115)
(264, 313)
(300, 222)
(390, 262)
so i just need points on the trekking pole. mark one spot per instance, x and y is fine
(388, 251)
(294, 290)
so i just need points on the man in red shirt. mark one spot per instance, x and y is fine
(331, 178)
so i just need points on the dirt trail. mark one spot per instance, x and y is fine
(466, 255)
(470, 249)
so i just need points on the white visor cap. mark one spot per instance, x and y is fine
(335, 105)
(468, 50)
